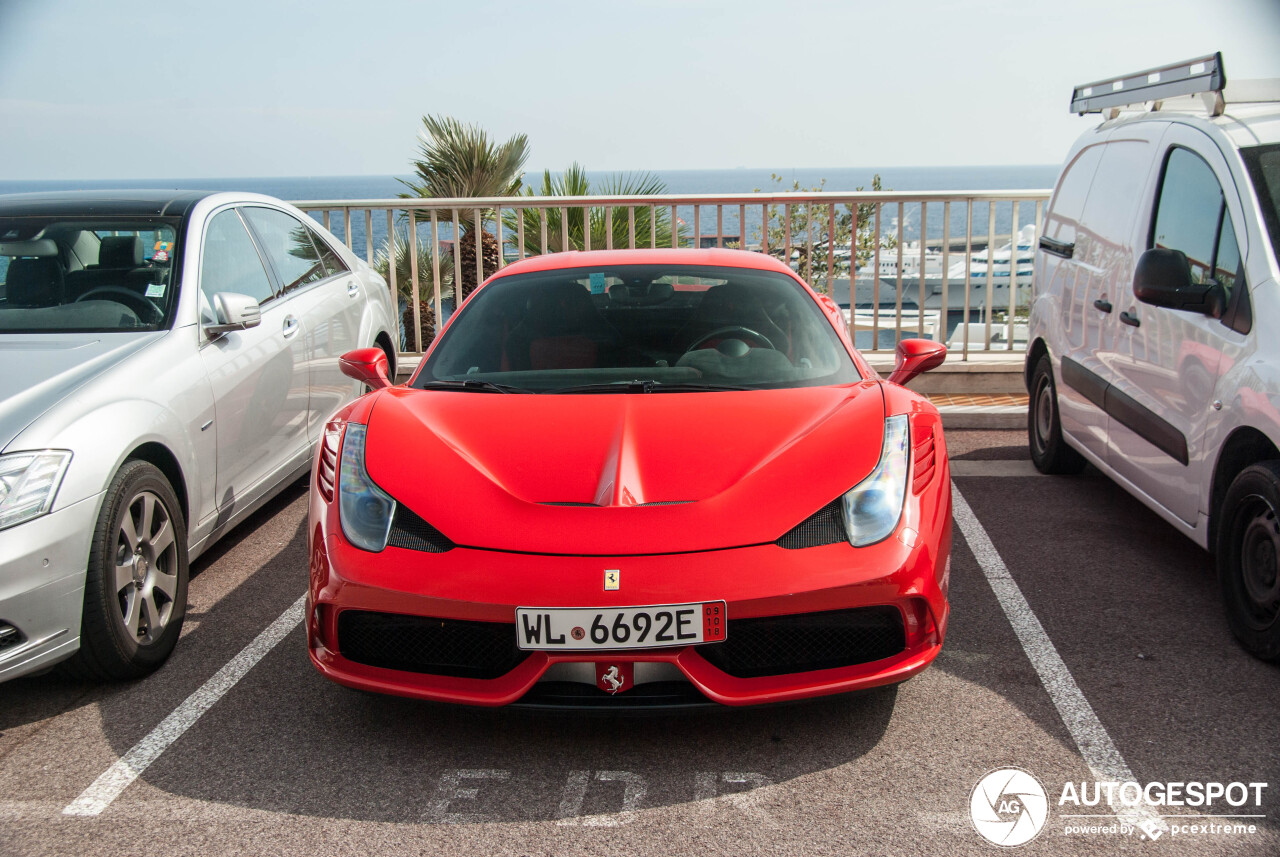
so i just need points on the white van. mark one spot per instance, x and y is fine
(1153, 351)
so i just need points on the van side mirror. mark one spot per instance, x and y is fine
(915, 356)
(1162, 278)
(366, 365)
(233, 312)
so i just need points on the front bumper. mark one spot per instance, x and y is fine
(907, 572)
(42, 568)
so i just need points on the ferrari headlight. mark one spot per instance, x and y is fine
(873, 506)
(28, 483)
(364, 509)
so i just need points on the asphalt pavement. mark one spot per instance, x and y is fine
(1086, 639)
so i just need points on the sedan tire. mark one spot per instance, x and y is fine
(1248, 555)
(135, 593)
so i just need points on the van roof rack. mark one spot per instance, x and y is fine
(1203, 74)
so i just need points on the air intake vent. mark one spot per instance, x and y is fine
(420, 644)
(411, 532)
(9, 636)
(777, 645)
(823, 527)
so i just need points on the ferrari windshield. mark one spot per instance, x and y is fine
(85, 274)
(639, 328)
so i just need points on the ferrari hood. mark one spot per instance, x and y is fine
(622, 474)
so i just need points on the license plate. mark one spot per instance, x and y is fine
(597, 629)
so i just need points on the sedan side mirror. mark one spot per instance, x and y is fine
(233, 312)
(915, 356)
(366, 365)
(1163, 278)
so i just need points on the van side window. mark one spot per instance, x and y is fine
(1191, 216)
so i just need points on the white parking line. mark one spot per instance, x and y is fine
(1096, 747)
(117, 778)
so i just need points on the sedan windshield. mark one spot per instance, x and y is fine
(639, 329)
(88, 275)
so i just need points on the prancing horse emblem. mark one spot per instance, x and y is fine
(613, 679)
(612, 578)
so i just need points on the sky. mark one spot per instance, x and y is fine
(242, 88)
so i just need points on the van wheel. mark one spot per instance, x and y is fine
(1248, 559)
(135, 593)
(1049, 452)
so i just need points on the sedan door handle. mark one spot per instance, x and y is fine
(1130, 319)
(353, 289)
(1102, 304)
(290, 326)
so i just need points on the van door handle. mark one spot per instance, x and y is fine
(353, 289)
(290, 326)
(1103, 305)
(1130, 319)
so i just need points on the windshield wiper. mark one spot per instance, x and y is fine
(647, 386)
(472, 385)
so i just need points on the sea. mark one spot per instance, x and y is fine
(723, 181)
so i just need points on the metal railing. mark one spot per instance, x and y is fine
(904, 263)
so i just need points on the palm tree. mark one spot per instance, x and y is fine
(457, 160)
(574, 182)
(404, 287)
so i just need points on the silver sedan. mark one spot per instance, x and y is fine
(169, 360)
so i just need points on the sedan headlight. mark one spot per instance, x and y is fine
(873, 506)
(364, 509)
(28, 483)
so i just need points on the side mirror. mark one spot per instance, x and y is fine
(915, 356)
(366, 365)
(1163, 278)
(233, 312)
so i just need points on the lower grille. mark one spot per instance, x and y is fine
(570, 694)
(777, 645)
(421, 644)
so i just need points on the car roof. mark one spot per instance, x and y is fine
(661, 256)
(1243, 124)
(79, 203)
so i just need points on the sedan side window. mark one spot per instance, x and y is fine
(1191, 216)
(287, 243)
(230, 263)
(333, 264)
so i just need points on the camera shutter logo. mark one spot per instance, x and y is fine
(1008, 807)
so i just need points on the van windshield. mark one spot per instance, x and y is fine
(93, 275)
(1263, 163)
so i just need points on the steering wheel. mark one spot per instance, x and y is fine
(147, 312)
(742, 333)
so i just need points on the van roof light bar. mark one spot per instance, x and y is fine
(1203, 74)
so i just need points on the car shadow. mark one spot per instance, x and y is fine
(49, 694)
(289, 741)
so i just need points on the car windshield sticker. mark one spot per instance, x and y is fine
(155, 290)
(597, 284)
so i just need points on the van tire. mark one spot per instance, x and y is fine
(1248, 558)
(1049, 452)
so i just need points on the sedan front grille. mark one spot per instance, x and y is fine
(420, 644)
(777, 645)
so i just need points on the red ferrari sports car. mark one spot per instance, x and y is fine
(631, 479)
